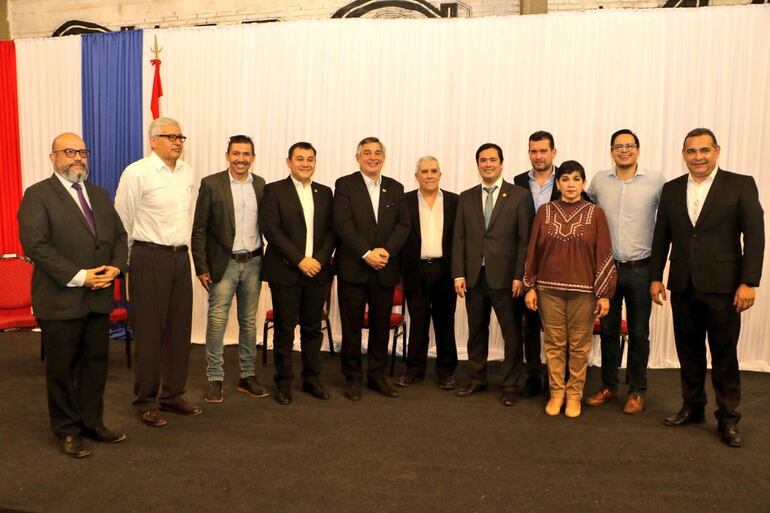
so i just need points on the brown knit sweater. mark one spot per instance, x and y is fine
(570, 249)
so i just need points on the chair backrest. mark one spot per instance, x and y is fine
(16, 279)
(398, 295)
(117, 291)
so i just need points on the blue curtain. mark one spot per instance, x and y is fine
(112, 103)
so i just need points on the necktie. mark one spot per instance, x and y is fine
(489, 204)
(87, 212)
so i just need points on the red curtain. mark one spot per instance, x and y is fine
(10, 163)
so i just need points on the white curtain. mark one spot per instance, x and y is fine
(443, 87)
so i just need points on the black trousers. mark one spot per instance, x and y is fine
(532, 341)
(303, 302)
(160, 291)
(695, 316)
(479, 302)
(77, 352)
(432, 297)
(353, 298)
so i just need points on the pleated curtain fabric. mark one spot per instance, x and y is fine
(10, 163)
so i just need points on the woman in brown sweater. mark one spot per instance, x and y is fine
(571, 276)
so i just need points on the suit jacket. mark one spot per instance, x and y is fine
(522, 180)
(283, 223)
(358, 232)
(55, 235)
(214, 223)
(710, 252)
(502, 245)
(410, 254)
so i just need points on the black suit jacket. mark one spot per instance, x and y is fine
(502, 246)
(283, 224)
(522, 180)
(55, 235)
(410, 254)
(358, 232)
(710, 252)
(214, 223)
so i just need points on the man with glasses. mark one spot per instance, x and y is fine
(712, 221)
(227, 253)
(154, 200)
(72, 233)
(629, 196)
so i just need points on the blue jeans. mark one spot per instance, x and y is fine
(241, 280)
(634, 287)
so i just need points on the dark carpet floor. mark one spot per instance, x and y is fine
(426, 451)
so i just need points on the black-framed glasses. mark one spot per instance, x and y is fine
(70, 152)
(621, 147)
(173, 137)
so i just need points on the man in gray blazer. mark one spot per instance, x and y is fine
(227, 253)
(72, 233)
(491, 235)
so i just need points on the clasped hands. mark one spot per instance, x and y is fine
(100, 277)
(377, 258)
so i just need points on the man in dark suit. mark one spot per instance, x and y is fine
(539, 181)
(426, 267)
(491, 234)
(296, 215)
(227, 253)
(712, 279)
(372, 224)
(72, 233)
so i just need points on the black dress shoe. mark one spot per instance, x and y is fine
(730, 435)
(685, 416)
(381, 386)
(405, 381)
(532, 387)
(283, 395)
(317, 390)
(72, 445)
(446, 383)
(104, 435)
(471, 388)
(508, 398)
(352, 390)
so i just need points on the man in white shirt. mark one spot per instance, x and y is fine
(154, 200)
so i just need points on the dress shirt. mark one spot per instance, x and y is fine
(431, 226)
(305, 193)
(373, 188)
(80, 277)
(630, 207)
(155, 202)
(541, 195)
(495, 194)
(245, 208)
(697, 193)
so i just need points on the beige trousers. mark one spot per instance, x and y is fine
(568, 322)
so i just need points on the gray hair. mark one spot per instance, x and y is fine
(425, 159)
(159, 123)
(367, 140)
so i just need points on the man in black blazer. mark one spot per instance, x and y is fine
(712, 277)
(427, 275)
(539, 181)
(296, 216)
(227, 253)
(491, 234)
(372, 224)
(76, 240)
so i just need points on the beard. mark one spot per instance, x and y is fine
(74, 176)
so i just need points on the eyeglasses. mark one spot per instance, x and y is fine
(173, 137)
(70, 152)
(621, 147)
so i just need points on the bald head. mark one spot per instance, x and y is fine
(73, 167)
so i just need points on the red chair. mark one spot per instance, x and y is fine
(119, 314)
(397, 324)
(16, 294)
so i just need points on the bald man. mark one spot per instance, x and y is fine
(72, 233)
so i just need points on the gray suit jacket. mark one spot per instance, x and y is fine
(214, 223)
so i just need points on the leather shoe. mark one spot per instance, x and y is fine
(447, 383)
(634, 404)
(251, 386)
(604, 395)
(72, 445)
(214, 392)
(152, 418)
(471, 388)
(283, 395)
(181, 407)
(381, 386)
(532, 387)
(317, 390)
(405, 381)
(352, 390)
(508, 399)
(685, 416)
(730, 435)
(104, 435)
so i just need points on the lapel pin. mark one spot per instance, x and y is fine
(384, 189)
(505, 194)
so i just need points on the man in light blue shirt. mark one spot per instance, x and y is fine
(629, 196)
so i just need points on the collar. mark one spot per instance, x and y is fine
(300, 185)
(158, 163)
(439, 194)
(368, 181)
(709, 178)
(249, 178)
(498, 183)
(531, 174)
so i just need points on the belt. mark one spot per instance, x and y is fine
(173, 249)
(245, 257)
(432, 260)
(633, 264)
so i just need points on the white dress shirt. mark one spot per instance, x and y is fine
(495, 193)
(305, 193)
(431, 226)
(696, 195)
(373, 188)
(80, 277)
(247, 237)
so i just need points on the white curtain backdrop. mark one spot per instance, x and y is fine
(443, 87)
